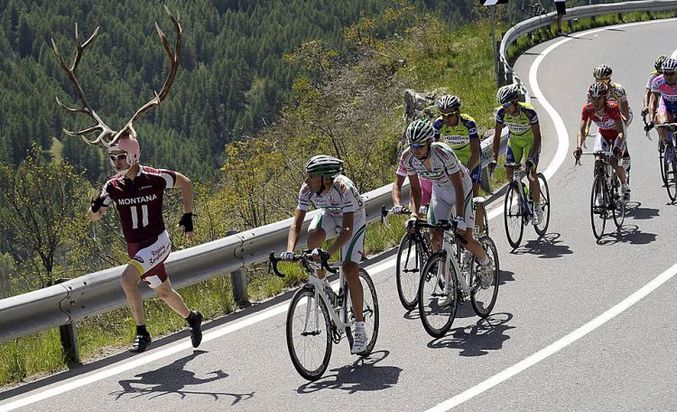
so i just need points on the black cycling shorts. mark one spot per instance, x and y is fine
(561, 8)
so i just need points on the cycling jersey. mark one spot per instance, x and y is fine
(342, 198)
(519, 124)
(652, 76)
(606, 122)
(458, 137)
(668, 94)
(617, 93)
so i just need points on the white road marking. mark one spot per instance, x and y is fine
(560, 156)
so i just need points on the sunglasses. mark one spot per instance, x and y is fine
(506, 105)
(669, 73)
(121, 156)
(417, 146)
(449, 114)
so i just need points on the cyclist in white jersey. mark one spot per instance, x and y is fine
(655, 73)
(342, 212)
(452, 186)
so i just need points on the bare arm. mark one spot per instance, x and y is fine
(460, 193)
(186, 186)
(295, 229)
(475, 149)
(397, 190)
(497, 139)
(581, 133)
(415, 194)
(536, 129)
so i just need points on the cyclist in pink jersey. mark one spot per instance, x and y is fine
(137, 192)
(426, 189)
(655, 73)
(663, 102)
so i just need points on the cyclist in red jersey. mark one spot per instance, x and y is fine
(607, 116)
(137, 192)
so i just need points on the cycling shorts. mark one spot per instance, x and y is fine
(353, 251)
(443, 201)
(518, 148)
(603, 144)
(148, 258)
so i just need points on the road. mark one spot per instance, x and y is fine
(552, 342)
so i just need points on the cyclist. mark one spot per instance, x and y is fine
(607, 116)
(137, 192)
(524, 141)
(341, 211)
(459, 131)
(663, 102)
(602, 73)
(655, 73)
(452, 187)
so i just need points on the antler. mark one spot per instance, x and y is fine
(103, 128)
(173, 68)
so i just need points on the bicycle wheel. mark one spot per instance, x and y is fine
(410, 260)
(484, 290)
(544, 205)
(661, 161)
(309, 338)
(598, 212)
(618, 205)
(369, 310)
(437, 308)
(513, 216)
(670, 163)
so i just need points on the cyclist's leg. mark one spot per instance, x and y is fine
(439, 210)
(352, 253)
(471, 244)
(475, 177)
(662, 116)
(513, 154)
(534, 186)
(321, 224)
(601, 145)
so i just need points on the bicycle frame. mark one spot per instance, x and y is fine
(518, 175)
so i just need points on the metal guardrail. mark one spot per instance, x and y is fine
(537, 22)
(99, 292)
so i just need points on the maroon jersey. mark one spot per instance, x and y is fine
(607, 121)
(139, 202)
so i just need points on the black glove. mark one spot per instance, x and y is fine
(187, 222)
(529, 164)
(96, 203)
(578, 152)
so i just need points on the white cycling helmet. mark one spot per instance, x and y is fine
(448, 103)
(507, 94)
(420, 131)
(325, 166)
(669, 65)
(601, 71)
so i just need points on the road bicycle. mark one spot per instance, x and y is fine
(668, 160)
(319, 317)
(518, 206)
(452, 275)
(661, 147)
(605, 198)
(414, 250)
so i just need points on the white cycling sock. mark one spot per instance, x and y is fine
(359, 325)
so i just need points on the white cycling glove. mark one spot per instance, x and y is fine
(461, 226)
(396, 209)
(287, 255)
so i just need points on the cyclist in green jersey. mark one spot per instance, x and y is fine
(459, 131)
(524, 140)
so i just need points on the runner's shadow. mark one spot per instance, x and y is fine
(172, 379)
(479, 338)
(360, 376)
(547, 247)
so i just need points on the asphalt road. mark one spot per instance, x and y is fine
(578, 325)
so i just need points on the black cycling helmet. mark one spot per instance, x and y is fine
(659, 62)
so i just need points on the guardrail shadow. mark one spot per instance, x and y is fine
(477, 339)
(547, 247)
(173, 379)
(361, 375)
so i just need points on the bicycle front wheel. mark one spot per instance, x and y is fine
(670, 162)
(544, 204)
(369, 311)
(485, 285)
(309, 338)
(410, 260)
(619, 205)
(513, 216)
(438, 295)
(661, 157)
(598, 203)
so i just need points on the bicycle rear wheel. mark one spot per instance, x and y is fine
(309, 338)
(661, 157)
(619, 205)
(436, 307)
(670, 166)
(544, 204)
(598, 203)
(410, 261)
(485, 286)
(513, 216)
(369, 310)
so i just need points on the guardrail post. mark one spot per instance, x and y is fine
(69, 339)
(620, 17)
(239, 281)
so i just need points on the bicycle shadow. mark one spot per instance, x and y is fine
(628, 234)
(546, 247)
(635, 211)
(172, 379)
(477, 339)
(360, 376)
